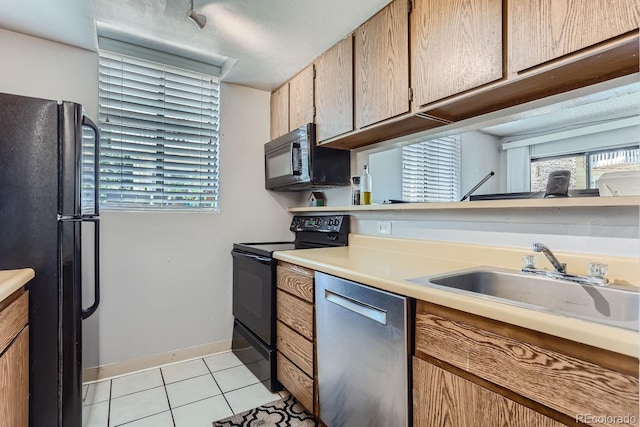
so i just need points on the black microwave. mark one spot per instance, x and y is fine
(293, 162)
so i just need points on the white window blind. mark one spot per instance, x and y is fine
(431, 170)
(159, 136)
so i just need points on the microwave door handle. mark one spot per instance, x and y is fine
(296, 161)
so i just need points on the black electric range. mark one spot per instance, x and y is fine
(254, 289)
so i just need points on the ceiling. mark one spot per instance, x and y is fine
(261, 43)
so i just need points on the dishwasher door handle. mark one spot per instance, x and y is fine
(356, 306)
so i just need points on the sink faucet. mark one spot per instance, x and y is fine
(560, 267)
(597, 271)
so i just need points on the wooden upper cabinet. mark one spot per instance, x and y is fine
(543, 30)
(456, 45)
(280, 111)
(301, 106)
(382, 65)
(334, 90)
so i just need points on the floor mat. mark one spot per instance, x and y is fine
(286, 412)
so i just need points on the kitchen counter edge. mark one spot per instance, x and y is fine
(567, 202)
(12, 280)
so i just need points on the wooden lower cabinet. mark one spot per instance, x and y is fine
(14, 362)
(505, 366)
(441, 398)
(295, 334)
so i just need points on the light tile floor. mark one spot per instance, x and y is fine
(186, 394)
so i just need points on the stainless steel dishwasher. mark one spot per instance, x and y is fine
(363, 354)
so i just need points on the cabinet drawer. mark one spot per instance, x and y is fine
(297, 348)
(556, 380)
(296, 280)
(295, 313)
(296, 382)
(13, 319)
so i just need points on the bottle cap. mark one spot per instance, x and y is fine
(355, 179)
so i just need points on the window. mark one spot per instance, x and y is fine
(159, 135)
(431, 170)
(586, 168)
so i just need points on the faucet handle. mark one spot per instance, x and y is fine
(529, 261)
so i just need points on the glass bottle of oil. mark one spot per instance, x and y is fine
(365, 185)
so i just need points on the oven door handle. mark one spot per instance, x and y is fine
(261, 259)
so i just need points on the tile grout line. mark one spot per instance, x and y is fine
(166, 393)
(216, 381)
(109, 405)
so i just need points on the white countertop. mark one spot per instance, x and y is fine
(386, 263)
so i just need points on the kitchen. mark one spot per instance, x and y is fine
(177, 266)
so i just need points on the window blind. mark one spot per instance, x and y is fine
(159, 143)
(431, 170)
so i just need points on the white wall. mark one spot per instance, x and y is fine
(385, 168)
(166, 277)
(479, 155)
(598, 231)
(43, 69)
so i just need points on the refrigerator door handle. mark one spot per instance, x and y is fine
(86, 312)
(86, 121)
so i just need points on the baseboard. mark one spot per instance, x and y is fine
(128, 366)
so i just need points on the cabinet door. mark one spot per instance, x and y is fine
(334, 91)
(441, 398)
(301, 99)
(456, 45)
(14, 383)
(543, 30)
(382, 65)
(280, 111)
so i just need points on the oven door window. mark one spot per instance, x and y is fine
(253, 294)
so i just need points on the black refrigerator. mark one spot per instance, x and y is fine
(48, 200)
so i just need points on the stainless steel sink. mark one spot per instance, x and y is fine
(612, 305)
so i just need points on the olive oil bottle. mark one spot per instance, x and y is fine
(365, 185)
